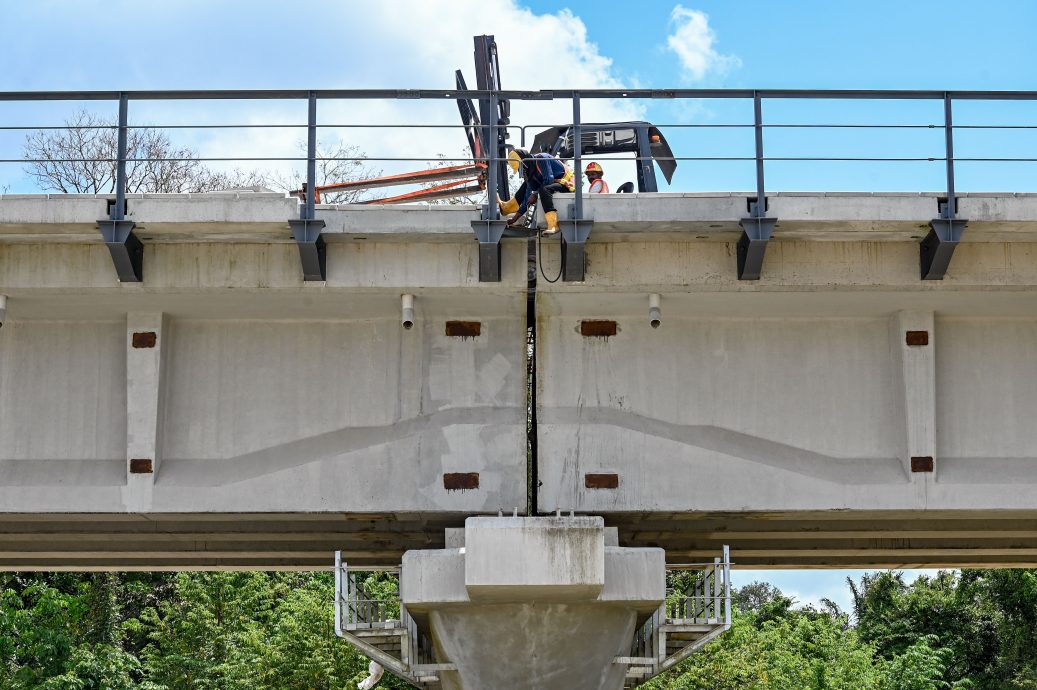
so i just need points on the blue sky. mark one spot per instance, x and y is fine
(930, 44)
(90, 44)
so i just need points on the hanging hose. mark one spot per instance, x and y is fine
(540, 258)
(530, 222)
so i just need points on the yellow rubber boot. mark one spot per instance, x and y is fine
(508, 207)
(552, 222)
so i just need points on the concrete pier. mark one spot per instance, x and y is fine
(533, 603)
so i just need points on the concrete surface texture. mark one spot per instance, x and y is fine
(544, 593)
(224, 413)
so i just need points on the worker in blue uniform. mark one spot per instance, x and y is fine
(543, 176)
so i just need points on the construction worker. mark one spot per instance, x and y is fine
(594, 176)
(543, 176)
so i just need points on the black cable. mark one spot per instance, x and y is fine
(530, 223)
(540, 257)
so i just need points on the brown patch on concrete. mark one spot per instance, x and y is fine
(598, 329)
(460, 481)
(463, 329)
(144, 339)
(601, 481)
(917, 338)
(140, 466)
(921, 463)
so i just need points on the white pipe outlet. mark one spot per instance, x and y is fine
(655, 314)
(407, 308)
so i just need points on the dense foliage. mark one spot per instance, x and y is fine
(974, 630)
(203, 631)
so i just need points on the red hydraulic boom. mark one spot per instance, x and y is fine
(468, 178)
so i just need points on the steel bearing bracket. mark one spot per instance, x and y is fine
(489, 233)
(756, 233)
(125, 247)
(312, 250)
(574, 239)
(937, 248)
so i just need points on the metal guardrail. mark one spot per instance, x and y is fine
(684, 622)
(757, 96)
(369, 624)
(758, 227)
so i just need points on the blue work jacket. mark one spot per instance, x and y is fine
(545, 170)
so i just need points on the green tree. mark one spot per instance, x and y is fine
(781, 648)
(920, 667)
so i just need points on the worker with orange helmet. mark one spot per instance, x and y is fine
(594, 176)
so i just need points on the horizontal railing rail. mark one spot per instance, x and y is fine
(513, 94)
(494, 129)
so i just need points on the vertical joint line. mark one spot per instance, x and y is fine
(532, 450)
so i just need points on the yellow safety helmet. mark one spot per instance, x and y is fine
(515, 158)
(593, 167)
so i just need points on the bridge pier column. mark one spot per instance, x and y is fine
(533, 602)
(146, 333)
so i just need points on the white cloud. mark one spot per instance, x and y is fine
(380, 45)
(536, 51)
(694, 43)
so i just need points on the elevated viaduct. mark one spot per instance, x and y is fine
(225, 413)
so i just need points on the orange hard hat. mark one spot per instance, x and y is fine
(593, 167)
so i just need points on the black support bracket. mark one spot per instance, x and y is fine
(489, 233)
(125, 247)
(756, 233)
(312, 250)
(574, 241)
(937, 248)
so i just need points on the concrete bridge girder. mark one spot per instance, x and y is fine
(783, 406)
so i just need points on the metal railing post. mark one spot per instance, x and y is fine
(308, 210)
(757, 228)
(339, 608)
(307, 229)
(716, 589)
(937, 248)
(727, 585)
(576, 229)
(489, 115)
(577, 155)
(948, 129)
(761, 200)
(125, 247)
(119, 210)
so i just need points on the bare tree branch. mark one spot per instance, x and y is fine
(81, 159)
(336, 162)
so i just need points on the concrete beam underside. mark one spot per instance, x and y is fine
(291, 541)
